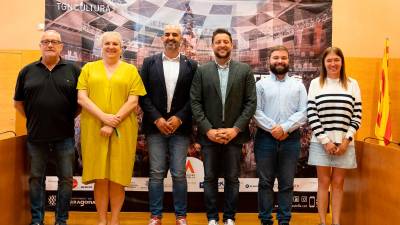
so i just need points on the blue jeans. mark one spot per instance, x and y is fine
(221, 160)
(64, 157)
(161, 148)
(276, 159)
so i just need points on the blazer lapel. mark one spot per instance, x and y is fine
(215, 79)
(231, 77)
(182, 70)
(160, 72)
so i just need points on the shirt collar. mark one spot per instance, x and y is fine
(273, 77)
(166, 58)
(60, 62)
(226, 66)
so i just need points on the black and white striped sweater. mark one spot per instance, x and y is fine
(333, 112)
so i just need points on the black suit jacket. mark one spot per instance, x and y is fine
(154, 104)
(240, 100)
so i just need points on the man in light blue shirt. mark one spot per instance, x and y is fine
(281, 110)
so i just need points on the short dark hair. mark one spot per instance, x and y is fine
(221, 31)
(277, 48)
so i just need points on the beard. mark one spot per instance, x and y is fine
(171, 45)
(281, 70)
(227, 55)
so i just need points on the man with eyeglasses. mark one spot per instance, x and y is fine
(46, 94)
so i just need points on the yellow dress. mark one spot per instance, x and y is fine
(111, 157)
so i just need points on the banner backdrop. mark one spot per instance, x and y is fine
(303, 26)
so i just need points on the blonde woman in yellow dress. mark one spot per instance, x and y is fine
(108, 91)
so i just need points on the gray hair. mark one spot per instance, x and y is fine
(171, 26)
(51, 31)
(111, 33)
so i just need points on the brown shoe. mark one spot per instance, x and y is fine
(181, 220)
(155, 221)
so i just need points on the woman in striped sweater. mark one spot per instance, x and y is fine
(334, 114)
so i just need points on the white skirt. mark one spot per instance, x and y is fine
(319, 157)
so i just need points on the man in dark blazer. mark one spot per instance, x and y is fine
(223, 99)
(167, 121)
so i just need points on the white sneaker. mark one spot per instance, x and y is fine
(229, 222)
(212, 222)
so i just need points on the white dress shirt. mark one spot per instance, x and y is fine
(171, 73)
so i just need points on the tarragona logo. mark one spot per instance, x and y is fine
(74, 183)
(189, 167)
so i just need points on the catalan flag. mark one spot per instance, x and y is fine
(383, 128)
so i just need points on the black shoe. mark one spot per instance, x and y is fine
(266, 223)
(36, 224)
(284, 224)
(60, 223)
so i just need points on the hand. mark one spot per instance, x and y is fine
(164, 127)
(343, 146)
(174, 122)
(111, 120)
(106, 131)
(277, 131)
(194, 149)
(227, 134)
(137, 110)
(213, 135)
(330, 148)
(284, 136)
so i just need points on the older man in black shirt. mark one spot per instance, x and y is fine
(46, 94)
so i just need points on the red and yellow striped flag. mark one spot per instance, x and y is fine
(383, 128)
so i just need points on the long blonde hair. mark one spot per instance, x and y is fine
(324, 74)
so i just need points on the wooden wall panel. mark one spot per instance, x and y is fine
(14, 195)
(10, 64)
(361, 26)
(371, 192)
(365, 71)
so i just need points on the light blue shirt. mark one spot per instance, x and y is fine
(223, 74)
(280, 102)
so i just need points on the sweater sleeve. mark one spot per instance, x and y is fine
(355, 122)
(312, 113)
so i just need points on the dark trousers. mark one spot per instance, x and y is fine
(276, 159)
(39, 155)
(224, 160)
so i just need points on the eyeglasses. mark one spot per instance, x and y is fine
(53, 42)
